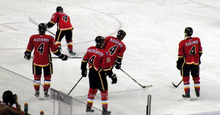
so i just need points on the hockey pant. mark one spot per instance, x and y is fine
(68, 35)
(37, 77)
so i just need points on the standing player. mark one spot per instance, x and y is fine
(99, 66)
(190, 51)
(42, 45)
(116, 48)
(64, 28)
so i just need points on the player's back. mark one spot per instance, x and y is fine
(190, 49)
(114, 47)
(42, 44)
(63, 21)
(98, 58)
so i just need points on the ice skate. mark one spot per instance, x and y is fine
(89, 109)
(105, 111)
(71, 52)
(59, 48)
(187, 95)
(46, 95)
(197, 92)
(37, 93)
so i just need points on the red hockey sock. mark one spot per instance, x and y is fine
(91, 96)
(186, 83)
(47, 81)
(196, 82)
(104, 98)
(70, 45)
(37, 82)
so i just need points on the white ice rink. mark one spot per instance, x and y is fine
(154, 28)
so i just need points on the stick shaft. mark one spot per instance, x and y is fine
(34, 22)
(75, 85)
(132, 78)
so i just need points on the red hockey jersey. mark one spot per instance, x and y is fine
(115, 48)
(62, 20)
(97, 58)
(190, 49)
(42, 45)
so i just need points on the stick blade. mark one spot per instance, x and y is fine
(32, 21)
(174, 85)
(147, 86)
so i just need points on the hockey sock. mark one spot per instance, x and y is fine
(186, 83)
(91, 96)
(37, 82)
(47, 79)
(70, 45)
(58, 43)
(104, 99)
(196, 83)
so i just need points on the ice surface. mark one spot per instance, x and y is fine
(154, 29)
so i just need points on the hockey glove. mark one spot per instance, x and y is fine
(63, 57)
(118, 65)
(114, 78)
(179, 63)
(84, 72)
(27, 55)
(200, 54)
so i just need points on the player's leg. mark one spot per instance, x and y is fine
(37, 79)
(69, 42)
(186, 80)
(58, 38)
(48, 70)
(196, 79)
(92, 89)
(90, 99)
(104, 93)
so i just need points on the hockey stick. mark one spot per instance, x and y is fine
(71, 89)
(73, 57)
(177, 84)
(34, 22)
(69, 57)
(135, 80)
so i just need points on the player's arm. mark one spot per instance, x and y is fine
(53, 20)
(106, 65)
(50, 24)
(200, 54)
(118, 62)
(55, 50)
(27, 53)
(180, 60)
(111, 74)
(83, 68)
(60, 55)
(200, 51)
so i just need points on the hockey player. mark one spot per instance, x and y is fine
(189, 54)
(42, 45)
(64, 28)
(116, 48)
(99, 66)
